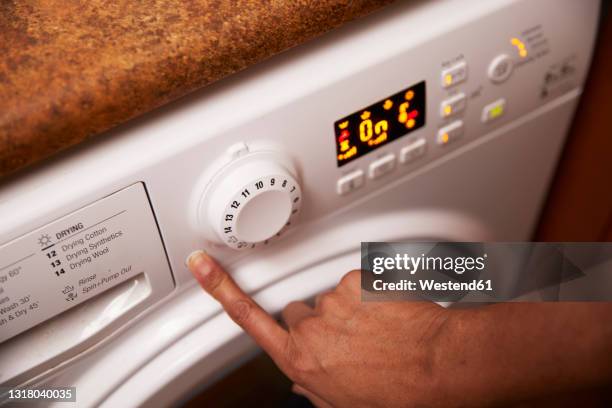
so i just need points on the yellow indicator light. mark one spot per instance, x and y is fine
(347, 155)
(496, 111)
(445, 138)
(448, 110)
(344, 145)
(410, 124)
(520, 46)
(388, 104)
(448, 79)
(403, 112)
(343, 125)
(409, 95)
(365, 115)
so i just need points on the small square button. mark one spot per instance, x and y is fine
(350, 182)
(382, 166)
(454, 75)
(493, 110)
(453, 105)
(413, 151)
(450, 133)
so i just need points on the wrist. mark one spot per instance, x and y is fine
(467, 360)
(512, 352)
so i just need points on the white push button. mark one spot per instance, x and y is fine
(449, 133)
(382, 166)
(453, 105)
(350, 182)
(413, 151)
(500, 68)
(454, 75)
(493, 110)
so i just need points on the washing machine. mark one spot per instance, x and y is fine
(429, 120)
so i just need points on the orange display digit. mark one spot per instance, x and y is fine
(365, 130)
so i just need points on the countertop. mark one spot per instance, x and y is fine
(70, 70)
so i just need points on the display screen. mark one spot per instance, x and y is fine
(378, 124)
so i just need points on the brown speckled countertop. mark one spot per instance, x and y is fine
(72, 69)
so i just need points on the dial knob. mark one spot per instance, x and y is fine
(250, 202)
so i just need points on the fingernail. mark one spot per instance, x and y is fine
(197, 262)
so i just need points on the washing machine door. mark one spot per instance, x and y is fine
(218, 346)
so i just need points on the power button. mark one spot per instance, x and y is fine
(500, 68)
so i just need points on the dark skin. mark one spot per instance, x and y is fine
(348, 353)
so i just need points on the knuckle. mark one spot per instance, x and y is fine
(291, 305)
(328, 301)
(240, 311)
(289, 309)
(214, 278)
(351, 278)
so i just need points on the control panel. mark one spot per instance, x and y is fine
(424, 104)
(78, 257)
(465, 94)
(251, 200)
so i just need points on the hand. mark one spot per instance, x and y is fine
(348, 353)
(345, 353)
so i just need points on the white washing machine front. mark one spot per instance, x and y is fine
(426, 121)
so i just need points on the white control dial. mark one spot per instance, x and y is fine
(250, 202)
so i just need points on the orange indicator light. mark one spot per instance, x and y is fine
(410, 124)
(520, 46)
(388, 104)
(344, 145)
(365, 115)
(343, 125)
(409, 95)
(347, 155)
(445, 138)
(403, 114)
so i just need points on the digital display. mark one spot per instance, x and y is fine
(378, 124)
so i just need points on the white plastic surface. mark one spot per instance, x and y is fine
(104, 261)
(264, 215)
(78, 257)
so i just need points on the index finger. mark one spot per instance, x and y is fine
(243, 310)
